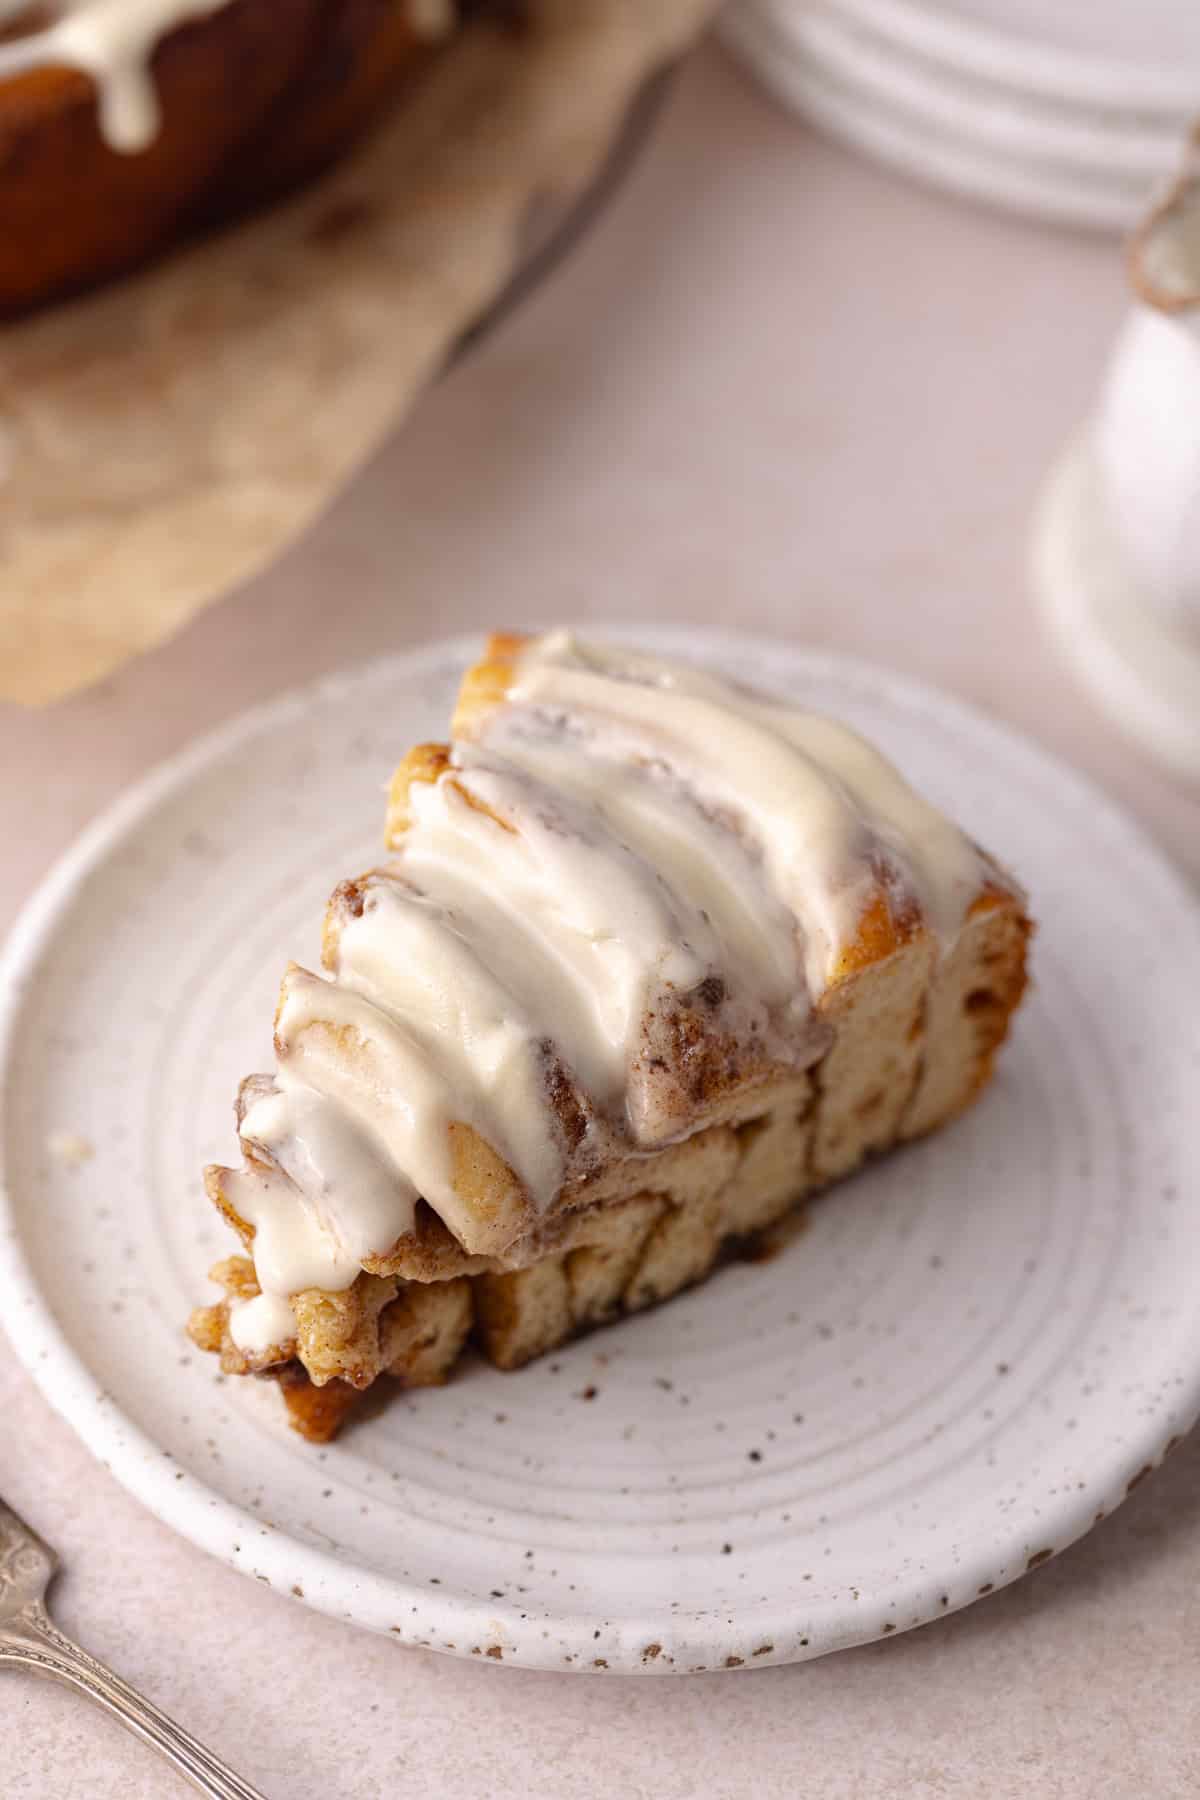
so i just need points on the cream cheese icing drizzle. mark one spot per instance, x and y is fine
(816, 797)
(114, 41)
(627, 852)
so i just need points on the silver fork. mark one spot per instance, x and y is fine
(29, 1639)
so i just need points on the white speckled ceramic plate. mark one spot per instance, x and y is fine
(970, 1354)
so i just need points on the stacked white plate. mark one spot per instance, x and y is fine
(1065, 110)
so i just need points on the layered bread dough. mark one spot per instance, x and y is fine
(652, 957)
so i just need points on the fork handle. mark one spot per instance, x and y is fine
(36, 1643)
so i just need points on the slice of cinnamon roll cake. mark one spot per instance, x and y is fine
(652, 958)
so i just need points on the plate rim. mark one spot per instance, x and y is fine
(205, 1517)
(1011, 125)
(1050, 71)
(1135, 664)
(905, 142)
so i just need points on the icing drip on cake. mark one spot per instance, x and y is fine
(632, 883)
(113, 41)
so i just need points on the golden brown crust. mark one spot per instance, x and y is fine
(306, 76)
(487, 682)
(424, 762)
(215, 1186)
(317, 1413)
(359, 54)
(882, 931)
(969, 1010)
(208, 1326)
(427, 763)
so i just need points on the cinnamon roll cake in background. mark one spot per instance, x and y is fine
(652, 958)
(127, 124)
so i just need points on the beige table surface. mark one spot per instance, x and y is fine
(780, 388)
